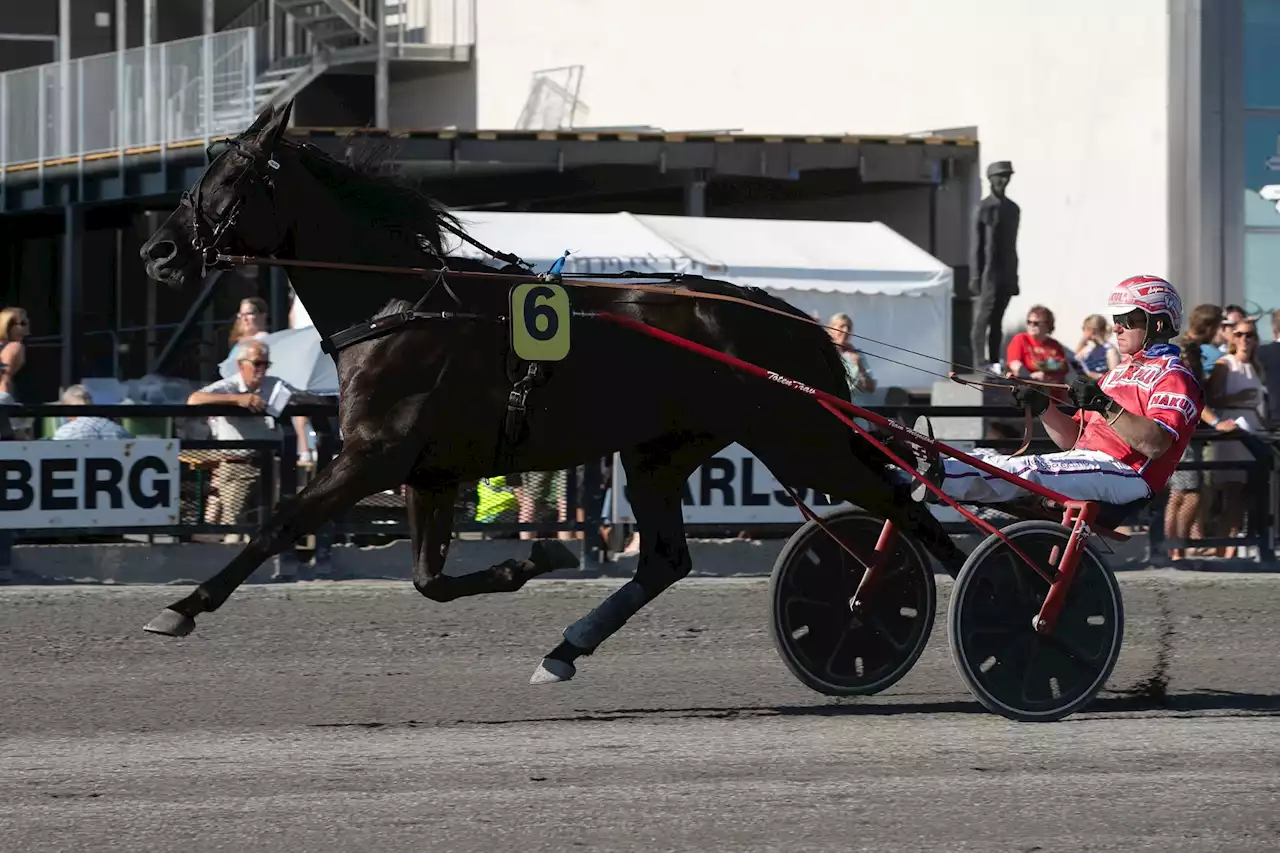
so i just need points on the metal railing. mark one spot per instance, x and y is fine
(565, 501)
(172, 92)
(546, 504)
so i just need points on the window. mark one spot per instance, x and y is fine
(1261, 83)
(1261, 54)
(1261, 167)
(1262, 271)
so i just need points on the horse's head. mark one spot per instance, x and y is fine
(230, 210)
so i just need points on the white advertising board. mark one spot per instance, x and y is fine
(732, 487)
(89, 483)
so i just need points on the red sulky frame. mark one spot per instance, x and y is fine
(1077, 516)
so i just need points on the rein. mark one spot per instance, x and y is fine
(385, 325)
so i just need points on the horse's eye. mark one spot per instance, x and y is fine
(217, 149)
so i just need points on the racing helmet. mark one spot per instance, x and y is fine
(1149, 294)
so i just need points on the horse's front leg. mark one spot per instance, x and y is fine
(357, 472)
(431, 525)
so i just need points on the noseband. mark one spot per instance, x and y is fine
(208, 235)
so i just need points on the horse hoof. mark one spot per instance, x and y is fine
(551, 554)
(170, 623)
(552, 671)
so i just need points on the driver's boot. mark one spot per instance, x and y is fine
(923, 460)
(928, 464)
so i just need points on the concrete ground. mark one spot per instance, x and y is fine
(359, 716)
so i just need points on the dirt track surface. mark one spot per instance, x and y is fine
(359, 716)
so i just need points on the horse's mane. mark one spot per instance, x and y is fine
(367, 182)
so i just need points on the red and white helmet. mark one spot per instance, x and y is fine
(1149, 294)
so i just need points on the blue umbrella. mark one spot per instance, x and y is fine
(296, 358)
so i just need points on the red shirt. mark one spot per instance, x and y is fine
(1047, 356)
(1157, 385)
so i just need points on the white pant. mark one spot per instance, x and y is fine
(1082, 475)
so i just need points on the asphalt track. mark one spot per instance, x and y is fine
(359, 716)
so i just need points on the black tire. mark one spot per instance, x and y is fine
(825, 645)
(1009, 667)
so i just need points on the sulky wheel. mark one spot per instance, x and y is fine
(1010, 668)
(823, 641)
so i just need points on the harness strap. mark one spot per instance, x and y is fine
(384, 326)
(508, 257)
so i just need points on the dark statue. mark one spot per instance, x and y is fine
(994, 266)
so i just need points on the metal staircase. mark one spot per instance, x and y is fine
(299, 40)
(332, 24)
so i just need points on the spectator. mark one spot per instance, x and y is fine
(251, 324)
(1231, 315)
(1269, 358)
(15, 326)
(542, 499)
(237, 471)
(840, 328)
(1182, 512)
(1236, 389)
(1095, 352)
(1036, 355)
(85, 426)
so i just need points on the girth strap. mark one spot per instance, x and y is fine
(385, 325)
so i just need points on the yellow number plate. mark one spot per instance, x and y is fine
(540, 321)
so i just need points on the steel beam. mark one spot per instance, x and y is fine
(72, 290)
(189, 322)
(381, 81)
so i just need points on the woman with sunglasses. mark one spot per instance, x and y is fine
(1236, 389)
(15, 326)
(1034, 354)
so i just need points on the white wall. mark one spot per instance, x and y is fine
(1075, 94)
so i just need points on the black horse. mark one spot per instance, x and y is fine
(427, 404)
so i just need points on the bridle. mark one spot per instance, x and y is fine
(207, 235)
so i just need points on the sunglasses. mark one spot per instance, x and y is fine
(258, 364)
(1036, 323)
(1132, 320)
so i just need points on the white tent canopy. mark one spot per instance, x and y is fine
(894, 291)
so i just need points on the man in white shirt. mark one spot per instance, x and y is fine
(262, 395)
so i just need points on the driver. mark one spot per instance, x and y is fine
(1129, 432)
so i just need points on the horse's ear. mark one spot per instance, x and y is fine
(270, 134)
(264, 117)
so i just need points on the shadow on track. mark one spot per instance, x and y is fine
(1245, 704)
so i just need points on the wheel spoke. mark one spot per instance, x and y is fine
(878, 624)
(814, 602)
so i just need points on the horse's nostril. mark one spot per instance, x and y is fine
(160, 251)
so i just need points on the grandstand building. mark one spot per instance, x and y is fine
(1141, 134)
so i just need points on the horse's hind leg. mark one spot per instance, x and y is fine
(355, 473)
(430, 524)
(656, 471)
